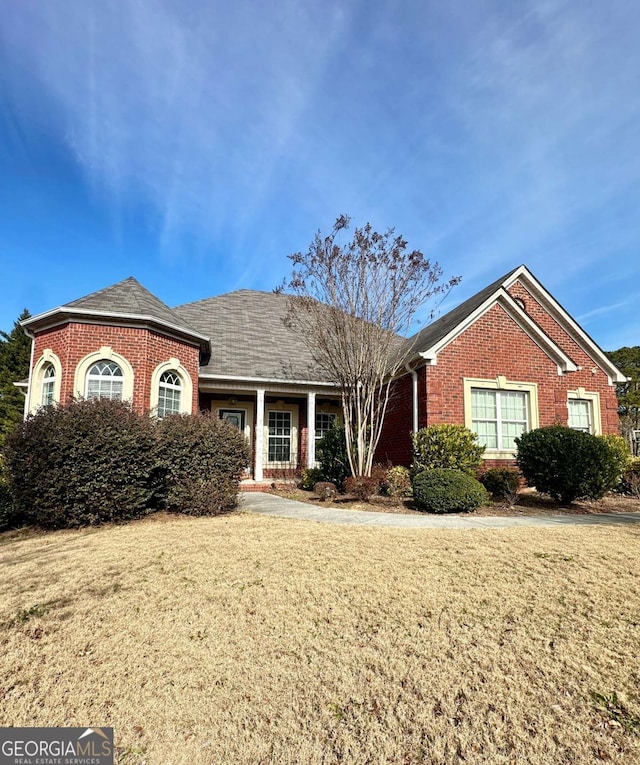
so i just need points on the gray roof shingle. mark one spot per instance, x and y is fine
(130, 298)
(249, 337)
(440, 328)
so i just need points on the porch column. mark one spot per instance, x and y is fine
(311, 429)
(259, 435)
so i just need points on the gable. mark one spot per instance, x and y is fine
(558, 323)
(528, 329)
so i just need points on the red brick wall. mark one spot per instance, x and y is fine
(395, 442)
(494, 345)
(142, 348)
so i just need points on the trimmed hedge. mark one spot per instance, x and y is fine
(441, 490)
(86, 463)
(568, 464)
(201, 459)
(446, 446)
(501, 482)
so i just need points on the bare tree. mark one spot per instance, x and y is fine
(351, 304)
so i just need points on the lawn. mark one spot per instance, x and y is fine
(245, 639)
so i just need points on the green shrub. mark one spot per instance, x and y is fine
(620, 450)
(86, 463)
(362, 486)
(442, 490)
(446, 446)
(201, 459)
(309, 477)
(8, 516)
(567, 464)
(501, 483)
(398, 482)
(331, 453)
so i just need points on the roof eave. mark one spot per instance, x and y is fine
(63, 314)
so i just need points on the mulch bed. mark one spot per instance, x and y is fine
(529, 503)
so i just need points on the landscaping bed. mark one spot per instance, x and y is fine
(529, 503)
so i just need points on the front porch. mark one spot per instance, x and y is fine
(282, 423)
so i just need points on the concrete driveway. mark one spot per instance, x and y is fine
(269, 504)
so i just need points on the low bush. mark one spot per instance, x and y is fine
(201, 459)
(309, 477)
(325, 490)
(86, 463)
(362, 486)
(630, 483)
(398, 482)
(567, 464)
(620, 451)
(501, 483)
(442, 490)
(446, 446)
(331, 453)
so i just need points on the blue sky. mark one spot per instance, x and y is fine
(194, 145)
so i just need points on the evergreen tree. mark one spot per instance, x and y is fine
(15, 356)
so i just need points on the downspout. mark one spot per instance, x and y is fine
(27, 400)
(414, 387)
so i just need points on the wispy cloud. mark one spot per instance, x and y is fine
(489, 134)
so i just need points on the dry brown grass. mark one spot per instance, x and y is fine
(246, 639)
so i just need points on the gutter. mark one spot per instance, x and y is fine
(27, 398)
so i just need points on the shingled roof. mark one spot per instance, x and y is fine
(126, 300)
(249, 337)
(428, 337)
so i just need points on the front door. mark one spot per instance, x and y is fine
(235, 416)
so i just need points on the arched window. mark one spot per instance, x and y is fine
(169, 393)
(105, 380)
(48, 385)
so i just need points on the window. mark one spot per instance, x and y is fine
(499, 416)
(105, 380)
(279, 444)
(324, 422)
(584, 411)
(580, 415)
(169, 393)
(48, 385)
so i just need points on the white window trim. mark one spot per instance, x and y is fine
(48, 357)
(502, 384)
(594, 399)
(186, 393)
(293, 410)
(106, 353)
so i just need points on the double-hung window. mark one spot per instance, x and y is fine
(279, 443)
(583, 410)
(48, 384)
(324, 422)
(498, 417)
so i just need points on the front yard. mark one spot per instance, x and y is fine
(243, 639)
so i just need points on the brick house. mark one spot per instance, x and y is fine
(507, 360)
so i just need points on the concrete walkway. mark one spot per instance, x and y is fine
(269, 504)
